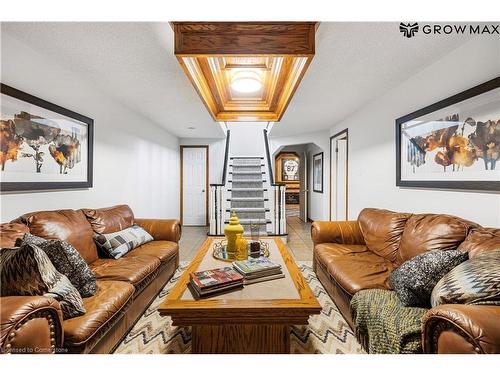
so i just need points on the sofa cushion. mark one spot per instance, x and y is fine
(132, 269)
(10, 232)
(425, 232)
(481, 240)
(357, 271)
(382, 230)
(68, 261)
(163, 250)
(109, 219)
(109, 300)
(117, 244)
(325, 253)
(28, 271)
(474, 282)
(414, 280)
(67, 225)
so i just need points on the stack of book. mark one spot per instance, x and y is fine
(257, 270)
(209, 282)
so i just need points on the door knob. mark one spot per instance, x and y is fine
(203, 190)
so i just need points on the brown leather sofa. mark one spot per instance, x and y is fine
(353, 255)
(125, 286)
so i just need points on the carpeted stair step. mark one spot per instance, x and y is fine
(249, 165)
(246, 180)
(248, 209)
(257, 173)
(246, 189)
(247, 199)
(252, 221)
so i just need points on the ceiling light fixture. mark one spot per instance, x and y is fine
(246, 82)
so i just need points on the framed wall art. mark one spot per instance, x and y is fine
(452, 144)
(43, 146)
(290, 169)
(318, 173)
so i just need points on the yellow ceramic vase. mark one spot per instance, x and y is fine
(241, 248)
(231, 231)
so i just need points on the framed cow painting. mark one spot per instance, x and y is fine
(452, 144)
(43, 146)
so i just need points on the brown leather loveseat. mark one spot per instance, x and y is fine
(125, 286)
(353, 255)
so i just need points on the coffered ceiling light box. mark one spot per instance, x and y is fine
(245, 71)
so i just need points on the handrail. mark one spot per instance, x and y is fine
(268, 155)
(226, 157)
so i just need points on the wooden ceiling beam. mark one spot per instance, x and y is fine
(211, 53)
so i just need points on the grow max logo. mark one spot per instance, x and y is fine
(409, 29)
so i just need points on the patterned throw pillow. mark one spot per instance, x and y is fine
(28, 271)
(474, 282)
(68, 261)
(117, 244)
(414, 280)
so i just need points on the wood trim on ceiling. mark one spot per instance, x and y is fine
(209, 52)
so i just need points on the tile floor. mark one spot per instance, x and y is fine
(299, 240)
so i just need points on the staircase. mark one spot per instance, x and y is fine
(248, 188)
(246, 192)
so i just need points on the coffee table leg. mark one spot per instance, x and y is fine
(241, 338)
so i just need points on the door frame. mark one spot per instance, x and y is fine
(182, 147)
(342, 132)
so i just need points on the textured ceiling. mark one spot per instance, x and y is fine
(135, 63)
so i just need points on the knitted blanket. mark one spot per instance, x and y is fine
(384, 325)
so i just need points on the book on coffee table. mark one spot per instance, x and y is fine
(213, 281)
(263, 278)
(257, 267)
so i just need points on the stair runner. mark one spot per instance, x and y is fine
(247, 192)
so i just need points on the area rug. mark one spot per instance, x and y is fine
(326, 333)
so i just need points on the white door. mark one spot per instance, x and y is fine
(194, 180)
(338, 182)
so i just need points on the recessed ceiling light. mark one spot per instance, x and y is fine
(191, 127)
(246, 82)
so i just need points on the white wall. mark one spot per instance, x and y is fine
(247, 138)
(135, 161)
(317, 202)
(320, 141)
(216, 150)
(372, 181)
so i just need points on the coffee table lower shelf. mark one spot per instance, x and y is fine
(241, 339)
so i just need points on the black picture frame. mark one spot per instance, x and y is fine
(320, 156)
(49, 185)
(444, 184)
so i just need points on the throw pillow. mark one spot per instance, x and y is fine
(28, 271)
(474, 282)
(68, 261)
(414, 280)
(117, 244)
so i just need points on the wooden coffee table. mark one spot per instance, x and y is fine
(255, 319)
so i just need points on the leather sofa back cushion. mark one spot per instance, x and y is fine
(67, 225)
(10, 232)
(481, 240)
(425, 232)
(382, 230)
(109, 219)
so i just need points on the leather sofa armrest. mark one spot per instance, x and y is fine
(30, 325)
(162, 229)
(461, 329)
(342, 232)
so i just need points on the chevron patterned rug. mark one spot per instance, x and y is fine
(326, 333)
